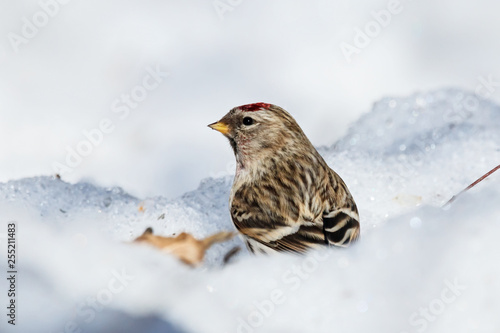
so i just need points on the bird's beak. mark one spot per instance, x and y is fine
(220, 126)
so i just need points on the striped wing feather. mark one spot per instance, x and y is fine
(329, 217)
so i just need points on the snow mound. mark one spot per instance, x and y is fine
(417, 267)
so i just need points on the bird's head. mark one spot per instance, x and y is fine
(258, 130)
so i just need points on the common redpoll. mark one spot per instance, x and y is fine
(284, 196)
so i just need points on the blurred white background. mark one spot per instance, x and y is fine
(64, 76)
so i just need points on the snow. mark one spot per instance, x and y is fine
(417, 267)
(64, 80)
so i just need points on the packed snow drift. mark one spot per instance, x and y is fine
(416, 268)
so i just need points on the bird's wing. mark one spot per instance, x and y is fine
(327, 217)
(276, 234)
(300, 241)
(340, 228)
(306, 238)
(340, 219)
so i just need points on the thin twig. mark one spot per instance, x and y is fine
(231, 254)
(472, 185)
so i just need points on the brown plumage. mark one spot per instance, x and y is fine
(284, 196)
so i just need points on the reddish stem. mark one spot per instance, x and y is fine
(472, 185)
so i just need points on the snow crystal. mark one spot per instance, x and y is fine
(416, 268)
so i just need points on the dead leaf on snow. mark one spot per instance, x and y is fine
(184, 246)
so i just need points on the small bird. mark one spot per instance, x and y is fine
(284, 196)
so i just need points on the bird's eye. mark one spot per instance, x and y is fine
(247, 121)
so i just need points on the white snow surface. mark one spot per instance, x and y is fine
(416, 268)
(57, 87)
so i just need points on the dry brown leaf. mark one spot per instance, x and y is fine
(184, 246)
